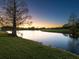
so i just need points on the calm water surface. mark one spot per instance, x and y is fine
(57, 40)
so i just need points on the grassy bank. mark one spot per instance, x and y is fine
(18, 48)
(56, 30)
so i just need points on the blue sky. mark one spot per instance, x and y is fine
(53, 11)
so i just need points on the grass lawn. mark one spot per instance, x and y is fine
(18, 48)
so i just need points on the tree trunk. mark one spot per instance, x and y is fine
(14, 27)
(14, 20)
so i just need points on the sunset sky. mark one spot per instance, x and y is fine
(51, 13)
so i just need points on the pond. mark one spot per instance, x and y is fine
(55, 40)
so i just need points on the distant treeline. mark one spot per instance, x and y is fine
(33, 28)
(18, 28)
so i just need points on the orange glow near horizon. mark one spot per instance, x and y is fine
(45, 24)
(40, 24)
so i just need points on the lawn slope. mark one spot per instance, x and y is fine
(18, 48)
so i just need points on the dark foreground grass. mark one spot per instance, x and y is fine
(18, 48)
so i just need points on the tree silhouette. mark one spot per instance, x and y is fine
(15, 13)
(73, 24)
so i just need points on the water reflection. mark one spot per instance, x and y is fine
(58, 40)
(74, 46)
(73, 43)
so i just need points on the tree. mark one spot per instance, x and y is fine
(15, 13)
(73, 24)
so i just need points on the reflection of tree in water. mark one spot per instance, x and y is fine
(75, 37)
(71, 35)
(73, 44)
